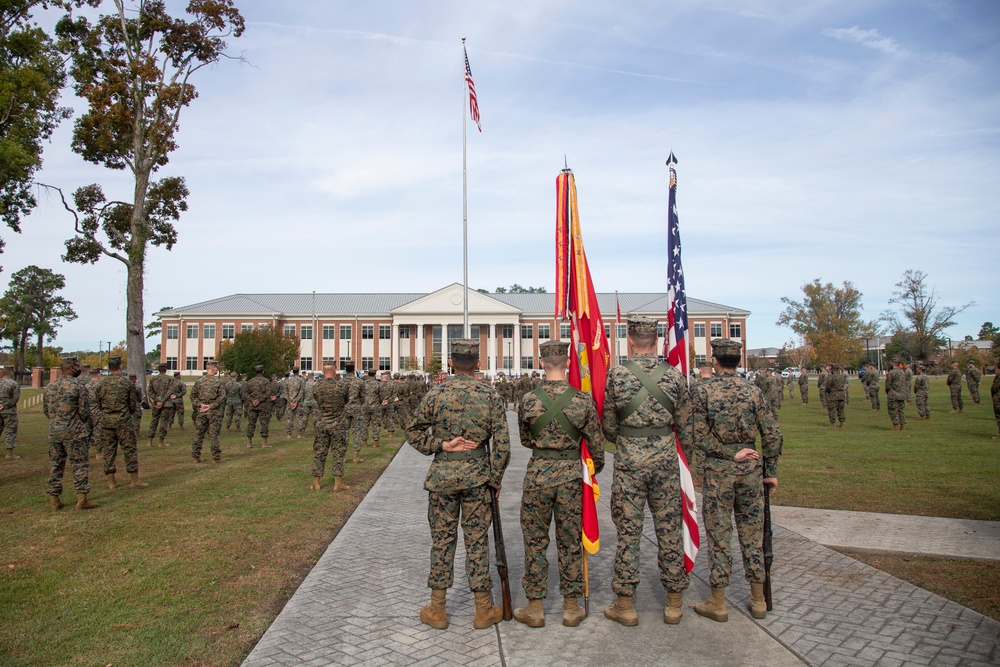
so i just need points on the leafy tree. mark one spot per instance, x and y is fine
(265, 346)
(829, 319)
(153, 356)
(133, 67)
(987, 331)
(31, 307)
(433, 365)
(154, 328)
(921, 324)
(31, 76)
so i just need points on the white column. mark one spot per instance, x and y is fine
(417, 335)
(491, 347)
(517, 348)
(394, 349)
(444, 347)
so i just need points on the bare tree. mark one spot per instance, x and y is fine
(920, 325)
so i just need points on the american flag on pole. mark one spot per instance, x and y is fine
(473, 101)
(676, 353)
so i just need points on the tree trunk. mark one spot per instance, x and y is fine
(22, 349)
(135, 339)
(41, 355)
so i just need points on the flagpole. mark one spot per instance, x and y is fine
(465, 214)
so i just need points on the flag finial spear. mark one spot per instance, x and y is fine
(671, 160)
(463, 40)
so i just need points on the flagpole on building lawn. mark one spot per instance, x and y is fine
(586, 584)
(465, 215)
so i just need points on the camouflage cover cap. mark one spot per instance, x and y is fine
(726, 347)
(112, 360)
(641, 325)
(212, 362)
(71, 357)
(259, 368)
(466, 346)
(553, 348)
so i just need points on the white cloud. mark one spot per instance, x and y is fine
(873, 39)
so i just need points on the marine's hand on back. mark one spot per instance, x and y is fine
(747, 454)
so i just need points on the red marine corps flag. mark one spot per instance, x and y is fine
(588, 365)
(675, 350)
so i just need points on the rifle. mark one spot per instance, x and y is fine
(768, 547)
(508, 612)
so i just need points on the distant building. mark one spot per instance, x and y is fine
(399, 332)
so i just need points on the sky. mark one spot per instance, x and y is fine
(845, 141)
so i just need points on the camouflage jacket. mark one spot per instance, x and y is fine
(836, 387)
(821, 380)
(461, 406)
(386, 392)
(921, 385)
(209, 390)
(257, 388)
(954, 377)
(582, 414)
(775, 385)
(66, 404)
(973, 376)
(234, 392)
(294, 388)
(803, 380)
(115, 399)
(870, 379)
(727, 413)
(331, 399)
(895, 385)
(308, 394)
(653, 451)
(995, 388)
(159, 389)
(91, 386)
(178, 389)
(370, 392)
(353, 394)
(10, 394)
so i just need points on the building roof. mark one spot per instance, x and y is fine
(304, 305)
(763, 352)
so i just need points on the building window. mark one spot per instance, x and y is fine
(607, 331)
(700, 360)
(171, 363)
(191, 363)
(564, 332)
(228, 332)
(527, 331)
(345, 332)
(289, 331)
(210, 331)
(661, 330)
(735, 330)
(508, 362)
(367, 363)
(329, 360)
(622, 358)
(306, 363)
(171, 332)
(204, 362)
(527, 363)
(367, 332)
(343, 363)
(263, 327)
(621, 330)
(384, 331)
(699, 330)
(508, 330)
(544, 332)
(328, 331)
(246, 327)
(192, 331)
(404, 330)
(306, 332)
(716, 328)
(385, 363)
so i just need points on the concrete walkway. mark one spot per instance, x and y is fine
(360, 604)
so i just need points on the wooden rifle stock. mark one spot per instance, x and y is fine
(768, 547)
(508, 612)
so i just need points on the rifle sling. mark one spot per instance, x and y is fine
(554, 410)
(649, 388)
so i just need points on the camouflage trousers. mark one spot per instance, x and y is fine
(631, 490)
(94, 432)
(137, 421)
(538, 508)
(122, 436)
(389, 418)
(207, 422)
(727, 493)
(329, 440)
(279, 408)
(896, 411)
(822, 398)
(372, 420)
(804, 391)
(835, 410)
(444, 511)
(160, 417)
(263, 413)
(179, 413)
(76, 450)
(305, 412)
(234, 410)
(354, 426)
(996, 409)
(922, 408)
(293, 417)
(956, 397)
(873, 395)
(8, 426)
(791, 390)
(773, 404)
(974, 392)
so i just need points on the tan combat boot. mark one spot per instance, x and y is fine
(895, 427)
(82, 503)
(265, 445)
(758, 607)
(55, 503)
(487, 613)
(714, 607)
(832, 425)
(532, 615)
(315, 484)
(150, 441)
(249, 443)
(164, 443)
(902, 427)
(357, 457)
(11, 455)
(622, 611)
(112, 482)
(435, 614)
(672, 613)
(136, 483)
(573, 613)
(338, 484)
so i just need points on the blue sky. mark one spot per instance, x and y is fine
(834, 140)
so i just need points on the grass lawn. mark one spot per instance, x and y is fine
(189, 571)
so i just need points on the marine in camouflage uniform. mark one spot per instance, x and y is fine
(921, 391)
(871, 382)
(179, 390)
(161, 403)
(281, 396)
(972, 378)
(820, 382)
(89, 380)
(331, 400)
(208, 400)
(308, 407)
(116, 399)
(10, 394)
(371, 417)
(234, 401)
(895, 394)
(455, 423)
(386, 395)
(955, 386)
(67, 406)
(257, 394)
(553, 419)
(791, 385)
(294, 388)
(727, 414)
(804, 386)
(908, 374)
(836, 388)
(642, 424)
(354, 420)
(995, 395)
(773, 391)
